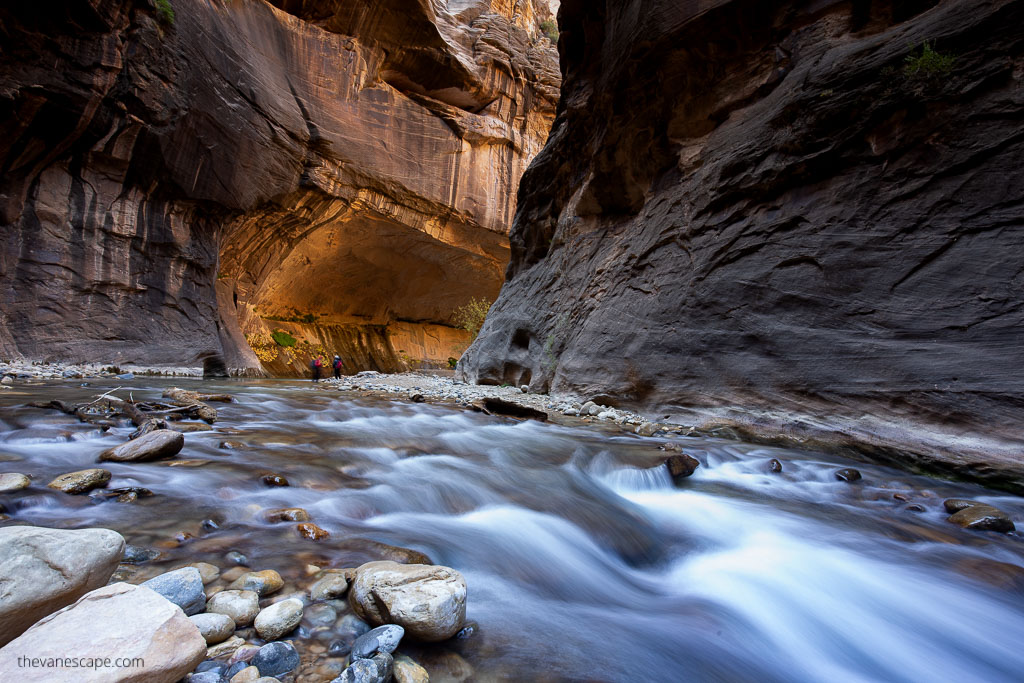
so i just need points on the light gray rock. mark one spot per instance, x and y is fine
(278, 619)
(81, 481)
(331, 586)
(119, 620)
(263, 583)
(381, 639)
(215, 628)
(241, 606)
(428, 601)
(207, 571)
(42, 570)
(13, 481)
(183, 587)
(160, 443)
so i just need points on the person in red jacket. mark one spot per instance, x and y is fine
(338, 366)
(317, 365)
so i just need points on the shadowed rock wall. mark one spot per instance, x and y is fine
(349, 162)
(763, 215)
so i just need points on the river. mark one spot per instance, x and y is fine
(583, 562)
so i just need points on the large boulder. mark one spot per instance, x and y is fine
(43, 570)
(428, 601)
(115, 623)
(161, 443)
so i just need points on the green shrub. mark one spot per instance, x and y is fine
(165, 12)
(927, 65)
(452, 362)
(550, 29)
(283, 338)
(471, 316)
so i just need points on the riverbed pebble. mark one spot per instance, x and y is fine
(183, 587)
(241, 606)
(208, 572)
(277, 658)
(81, 481)
(981, 517)
(681, 466)
(225, 649)
(13, 481)
(311, 531)
(408, 671)
(247, 675)
(263, 582)
(331, 586)
(286, 515)
(215, 628)
(381, 639)
(278, 619)
(848, 474)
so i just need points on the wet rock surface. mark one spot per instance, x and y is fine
(161, 443)
(700, 188)
(427, 601)
(81, 481)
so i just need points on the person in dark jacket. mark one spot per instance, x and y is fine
(317, 364)
(338, 365)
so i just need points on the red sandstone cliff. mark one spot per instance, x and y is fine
(168, 185)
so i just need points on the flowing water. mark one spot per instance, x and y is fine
(583, 562)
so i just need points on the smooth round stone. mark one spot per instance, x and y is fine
(235, 557)
(247, 675)
(953, 505)
(339, 648)
(13, 481)
(263, 582)
(215, 628)
(274, 659)
(241, 606)
(682, 465)
(286, 515)
(208, 572)
(408, 671)
(183, 587)
(381, 639)
(352, 626)
(321, 615)
(774, 466)
(203, 677)
(983, 518)
(160, 443)
(81, 481)
(235, 669)
(278, 619)
(847, 474)
(133, 554)
(311, 531)
(210, 665)
(330, 587)
(361, 671)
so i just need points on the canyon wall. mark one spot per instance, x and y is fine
(802, 220)
(174, 186)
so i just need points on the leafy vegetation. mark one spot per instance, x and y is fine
(550, 29)
(282, 338)
(263, 346)
(165, 12)
(928, 65)
(471, 316)
(296, 317)
(452, 362)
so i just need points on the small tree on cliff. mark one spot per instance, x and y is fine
(471, 316)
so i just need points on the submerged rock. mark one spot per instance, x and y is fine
(160, 443)
(119, 620)
(263, 582)
(428, 601)
(286, 515)
(81, 481)
(43, 570)
(957, 504)
(408, 671)
(983, 517)
(311, 531)
(847, 474)
(332, 585)
(271, 479)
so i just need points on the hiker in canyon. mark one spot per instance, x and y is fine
(316, 365)
(338, 365)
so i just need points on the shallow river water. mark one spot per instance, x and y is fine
(582, 562)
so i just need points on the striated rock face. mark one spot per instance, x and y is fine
(777, 216)
(169, 185)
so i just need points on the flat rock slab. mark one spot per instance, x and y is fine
(81, 481)
(160, 443)
(114, 623)
(43, 570)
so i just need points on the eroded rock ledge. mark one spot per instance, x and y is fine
(760, 214)
(168, 187)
